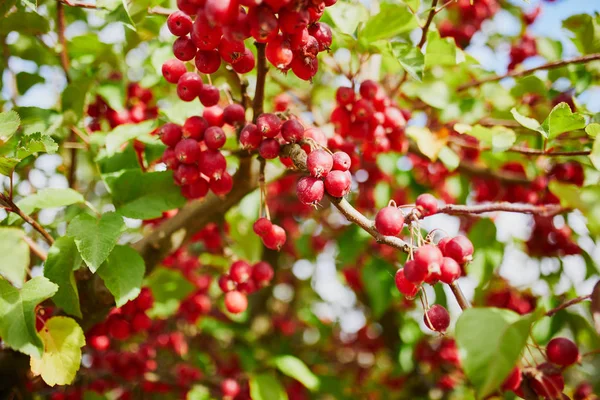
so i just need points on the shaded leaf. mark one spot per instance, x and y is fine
(63, 260)
(296, 369)
(26, 80)
(122, 273)
(14, 261)
(410, 58)
(379, 283)
(266, 387)
(168, 287)
(9, 123)
(529, 123)
(587, 32)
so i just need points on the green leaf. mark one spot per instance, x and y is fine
(50, 198)
(296, 369)
(122, 273)
(595, 306)
(410, 58)
(561, 120)
(35, 143)
(168, 287)
(113, 94)
(96, 238)
(449, 158)
(73, 97)
(17, 314)
(245, 243)
(7, 165)
(526, 122)
(491, 341)
(26, 80)
(145, 195)
(347, 16)
(199, 392)
(379, 283)
(266, 387)
(392, 20)
(548, 48)
(5, 6)
(124, 133)
(63, 339)
(63, 260)
(499, 138)
(595, 154)
(442, 51)
(26, 23)
(593, 129)
(15, 255)
(587, 32)
(586, 199)
(9, 123)
(435, 93)
(428, 143)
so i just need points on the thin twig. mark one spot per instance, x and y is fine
(81, 4)
(427, 24)
(521, 150)
(261, 75)
(160, 11)
(61, 25)
(12, 207)
(35, 249)
(544, 210)
(459, 295)
(515, 74)
(568, 304)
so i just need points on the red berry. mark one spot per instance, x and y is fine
(262, 226)
(170, 159)
(230, 388)
(213, 115)
(240, 271)
(234, 114)
(344, 96)
(226, 284)
(245, 63)
(269, 125)
(208, 61)
(393, 118)
(322, 32)
(179, 23)
(292, 131)
(404, 286)
(341, 161)
(184, 49)
(187, 151)
(212, 164)
(437, 318)
(279, 52)
(449, 270)
(170, 134)
(299, 40)
(317, 135)
(119, 329)
(337, 183)
(214, 137)
(304, 67)
(173, 69)
(275, 238)
(263, 23)
(549, 383)
(186, 174)
(250, 137)
(236, 302)
(583, 391)
(513, 381)
(140, 322)
(562, 351)
(196, 190)
(187, 6)
(221, 12)
(222, 186)
(389, 221)
(310, 190)
(460, 248)
(415, 273)
(442, 244)
(262, 273)
(194, 128)
(319, 163)
(369, 89)
(362, 110)
(291, 21)
(269, 149)
(426, 204)
(429, 258)
(204, 36)
(189, 86)
(231, 50)
(209, 96)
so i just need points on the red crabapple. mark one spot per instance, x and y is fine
(189, 86)
(275, 238)
(173, 69)
(437, 318)
(415, 273)
(262, 273)
(234, 114)
(250, 137)
(262, 226)
(292, 131)
(179, 23)
(236, 302)
(449, 270)
(240, 271)
(187, 151)
(404, 286)
(337, 183)
(460, 248)
(209, 95)
(429, 257)
(208, 61)
(223, 185)
(389, 221)
(319, 163)
(269, 125)
(513, 381)
(170, 134)
(310, 190)
(269, 149)
(212, 164)
(426, 204)
(214, 137)
(230, 388)
(562, 351)
(341, 161)
(184, 49)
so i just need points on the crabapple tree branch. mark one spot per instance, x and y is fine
(544, 210)
(261, 76)
(12, 207)
(428, 23)
(568, 304)
(523, 150)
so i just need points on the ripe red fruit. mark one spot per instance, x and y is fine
(214, 137)
(262, 273)
(341, 161)
(230, 388)
(291, 21)
(583, 391)
(222, 186)
(319, 163)
(264, 25)
(187, 151)
(250, 137)
(140, 322)
(245, 63)
(179, 23)
(279, 52)
(304, 67)
(209, 95)
(173, 69)
(226, 284)
(322, 32)
(292, 131)
(345, 96)
(275, 238)
(437, 318)
(442, 244)
(212, 164)
(194, 128)
(231, 50)
(449, 270)
(268, 124)
(362, 110)
(221, 12)
(208, 61)
(234, 114)
(186, 174)
(269, 149)
(187, 6)
(393, 118)
(184, 49)
(549, 383)
(170, 134)
(337, 183)
(240, 271)
(262, 226)
(389, 221)
(369, 89)
(513, 381)
(429, 257)
(426, 204)
(299, 40)
(236, 302)
(204, 36)
(170, 159)
(310, 190)
(196, 190)
(213, 115)
(404, 286)
(460, 248)
(189, 86)
(562, 351)
(119, 329)
(415, 273)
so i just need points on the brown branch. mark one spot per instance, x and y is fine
(160, 11)
(543, 210)
(515, 74)
(261, 75)
(61, 25)
(35, 249)
(568, 304)
(428, 23)
(459, 295)
(521, 149)
(80, 4)
(12, 207)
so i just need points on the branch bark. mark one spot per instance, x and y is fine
(516, 74)
(261, 76)
(428, 23)
(12, 207)
(568, 304)
(543, 210)
(522, 150)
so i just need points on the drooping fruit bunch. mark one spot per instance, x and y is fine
(466, 19)
(212, 31)
(524, 48)
(502, 295)
(244, 279)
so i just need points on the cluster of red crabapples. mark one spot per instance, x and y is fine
(241, 280)
(328, 172)
(466, 19)
(211, 31)
(193, 150)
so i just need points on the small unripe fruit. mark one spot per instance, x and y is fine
(187, 151)
(170, 134)
(262, 273)
(337, 183)
(310, 190)
(269, 149)
(262, 226)
(437, 318)
(404, 286)
(341, 161)
(214, 138)
(449, 270)
(389, 221)
(460, 248)
(240, 271)
(236, 302)
(562, 351)
(269, 125)
(319, 163)
(292, 131)
(173, 69)
(179, 23)
(275, 238)
(426, 204)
